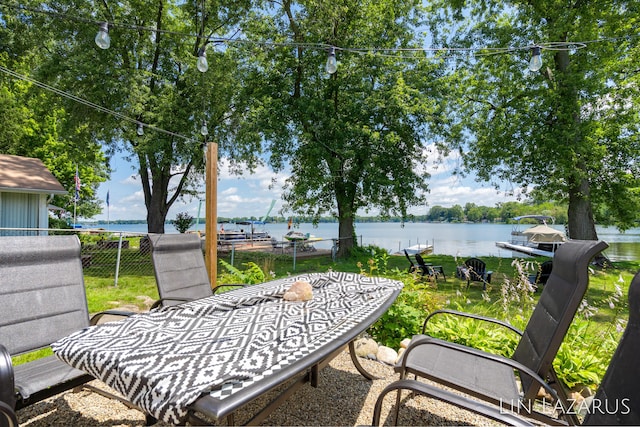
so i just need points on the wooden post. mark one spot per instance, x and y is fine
(211, 213)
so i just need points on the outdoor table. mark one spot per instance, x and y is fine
(214, 355)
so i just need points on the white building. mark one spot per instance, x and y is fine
(25, 187)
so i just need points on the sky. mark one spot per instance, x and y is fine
(251, 195)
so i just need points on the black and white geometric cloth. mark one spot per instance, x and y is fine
(164, 360)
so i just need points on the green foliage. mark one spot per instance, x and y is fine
(584, 355)
(560, 130)
(182, 222)
(57, 223)
(353, 139)
(473, 333)
(405, 316)
(251, 275)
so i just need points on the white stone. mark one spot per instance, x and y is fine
(299, 291)
(405, 343)
(387, 355)
(365, 347)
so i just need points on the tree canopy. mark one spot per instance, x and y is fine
(353, 139)
(570, 129)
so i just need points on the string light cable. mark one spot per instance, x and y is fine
(138, 123)
(385, 52)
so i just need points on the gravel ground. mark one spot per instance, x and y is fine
(344, 398)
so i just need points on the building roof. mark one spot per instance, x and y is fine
(27, 175)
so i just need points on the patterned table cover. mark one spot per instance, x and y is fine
(166, 359)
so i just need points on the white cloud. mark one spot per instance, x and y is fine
(251, 195)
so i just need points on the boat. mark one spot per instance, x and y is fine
(298, 236)
(245, 232)
(241, 232)
(538, 240)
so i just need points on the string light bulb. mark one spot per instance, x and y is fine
(204, 130)
(140, 130)
(202, 63)
(332, 64)
(536, 59)
(102, 38)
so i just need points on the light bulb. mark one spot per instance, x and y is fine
(140, 130)
(202, 63)
(332, 64)
(204, 130)
(102, 38)
(536, 59)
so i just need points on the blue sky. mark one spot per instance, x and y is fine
(251, 196)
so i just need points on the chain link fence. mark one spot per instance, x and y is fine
(115, 254)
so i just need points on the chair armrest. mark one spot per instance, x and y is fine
(522, 369)
(492, 412)
(120, 313)
(471, 316)
(7, 382)
(217, 287)
(159, 302)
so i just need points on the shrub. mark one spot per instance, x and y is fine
(182, 222)
(250, 276)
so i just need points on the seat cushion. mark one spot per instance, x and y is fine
(466, 372)
(45, 373)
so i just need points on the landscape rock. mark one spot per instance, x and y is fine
(387, 355)
(365, 347)
(405, 343)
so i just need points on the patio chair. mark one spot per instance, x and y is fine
(616, 402)
(489, 377)
(412, 266)
(433, 270)
(42, 299)
(178, 264)
(542, 275)
(475, 270)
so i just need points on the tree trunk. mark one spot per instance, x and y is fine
(154, 196)
(345, 234)
(580, 215)
(345, 222)
(156, 212)
(581, 223)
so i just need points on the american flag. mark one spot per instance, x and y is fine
(77, 181)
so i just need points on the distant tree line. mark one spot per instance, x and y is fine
(502, 212)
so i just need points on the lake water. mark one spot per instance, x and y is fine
(463, 240)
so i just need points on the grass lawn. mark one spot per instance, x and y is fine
(582, 359)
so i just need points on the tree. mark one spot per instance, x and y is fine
(569, 129)
(35, 125)
(147, 78)
(353, 139)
